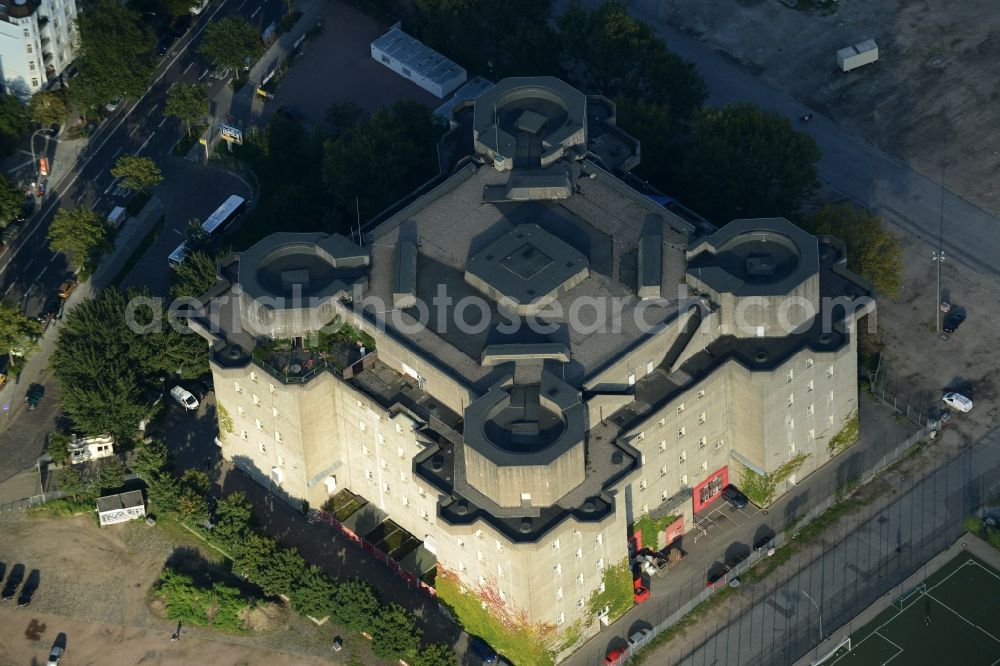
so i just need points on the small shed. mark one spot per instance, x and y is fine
(121, 508)
(409, 57)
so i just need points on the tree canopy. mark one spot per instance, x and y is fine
(11, 200)
(356, 607)
(355, 163)
(228, 42)
(395, 634)
(110, 371)
(188, 103)
(15, 328)
(744, 161)
(436, 654)
(495, 39)
(137, 173)
(13, 123)
(313, 593)
(611, 52)
(195, 276)
(47, 109)
(81, 235)
(873, 251)
(116, 54)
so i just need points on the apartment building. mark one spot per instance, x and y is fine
(37, 42)
(525, 359)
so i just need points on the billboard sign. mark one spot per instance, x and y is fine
(231, 134)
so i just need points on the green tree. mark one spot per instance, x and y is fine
(436, 654)
(613, 53)
(15, 327)
(47, 109)
(313, 593)
(116, 54)
(192, 498)
(11, 200)
(112, 475)
(13, 123)
(357, 605)
(355, 164)
(177, 8)
(395, 634)
(252, 556)
(195, 276)
(495, 39)
(228, 42)
(155, 466)
(80, 234)
(656, 131)
(233, 519)
(187, 103)
(111, 355)
(284, 568)
(71, 482)
(137, 173)
(746, 162)
(873, 251)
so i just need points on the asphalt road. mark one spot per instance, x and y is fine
(29, 271)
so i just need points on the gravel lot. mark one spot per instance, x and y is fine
(93, 587)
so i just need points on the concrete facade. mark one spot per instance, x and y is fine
(520, 456)
(37, 42)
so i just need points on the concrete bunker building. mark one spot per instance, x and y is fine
(522, 361)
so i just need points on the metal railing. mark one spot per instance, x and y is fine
(34, 500)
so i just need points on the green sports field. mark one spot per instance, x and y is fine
(952, 619)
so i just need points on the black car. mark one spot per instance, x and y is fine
(953, 321)
(10, 233)
(202, 388)
(164, 45)
(53, 310)
(736, 499)
(716, 575)
(34, 396)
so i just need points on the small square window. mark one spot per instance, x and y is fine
(262, 446)
(579, 579)
(681, 431)
(719, 444)
(400, 452)
(680, 408)
(790, 376)
(364, 449)
(256, 400)
(704, 465)
(663, 471)
(812, 435)
(240, 410)
(260, 426)
(277, 437)
(557, 569)
(809, 363)
(811, 409)
(562, 617)
(642, 484)
(641, 436)
(559, 594)
(702, 417)
(253, 376)
(600, 564)
(684, 480)
(270, 388)
(402, 476)
(791, 399)
(683, 456)
(829, 371)
(361, 426)
(579, 553)
(701, 393)
(237, 387)
(661, 423)
(702, 442)
(663, 445)
(243, 434)
(555, 545)
(385, 487)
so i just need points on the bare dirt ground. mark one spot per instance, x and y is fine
(92, 587)
(930, 100)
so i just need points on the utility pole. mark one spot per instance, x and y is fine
(938, 258)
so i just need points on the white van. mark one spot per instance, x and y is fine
(957, 401)
(117, 217)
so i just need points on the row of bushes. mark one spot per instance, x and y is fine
(353, 604)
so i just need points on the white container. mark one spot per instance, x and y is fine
(855, 56)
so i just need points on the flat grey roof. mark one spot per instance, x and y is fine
(125, 500)
(422, 59)
(603, 220)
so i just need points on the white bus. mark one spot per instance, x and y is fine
(214, 225)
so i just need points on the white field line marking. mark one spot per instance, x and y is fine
(145, 143)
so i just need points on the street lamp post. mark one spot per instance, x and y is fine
(938, 258)
(818, 610)
(34, 160)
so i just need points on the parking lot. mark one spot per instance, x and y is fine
(720, 519)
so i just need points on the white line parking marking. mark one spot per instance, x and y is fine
(96, 203)
(54, 257)
(134, 130)
(145, 143)
(190, 65)
(255, 11)
(9, 287)
(161, 122)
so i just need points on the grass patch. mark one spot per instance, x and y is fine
(139, 251)
(617, 596)
(519, 645)
(651, 529)
(978, 526)
(63, 508)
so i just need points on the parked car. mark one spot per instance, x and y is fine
(113, 105)
(638, 637)
(735, 497)
(716, 575)
(184, 398)
(52, 310)
(953, 321)
(615, 655)
(202, 388)
(55, 656)
(67, 287)
(957, 401)
(34, 396)
(480, 650)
